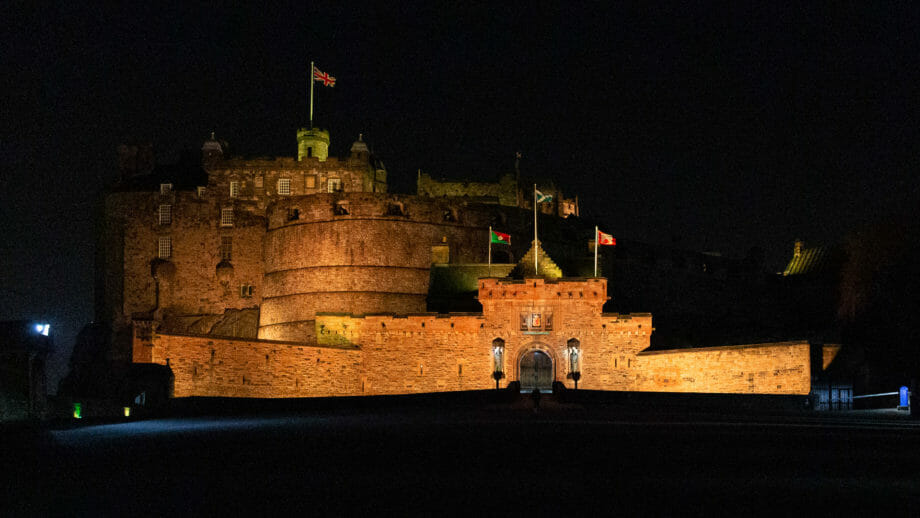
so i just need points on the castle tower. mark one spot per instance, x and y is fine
(312, 143)
(212, 151)
(359, 149)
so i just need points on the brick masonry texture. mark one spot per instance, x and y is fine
(392, 354)
(374, 256)
(774, 368)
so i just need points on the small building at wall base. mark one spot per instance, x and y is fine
(534, 331)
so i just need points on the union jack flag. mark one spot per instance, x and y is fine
(324, 77)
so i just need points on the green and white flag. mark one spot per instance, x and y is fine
(543, 198)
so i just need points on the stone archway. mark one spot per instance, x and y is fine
(535, 370)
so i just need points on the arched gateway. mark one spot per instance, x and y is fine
(536, 371)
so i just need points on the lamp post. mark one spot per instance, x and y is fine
(498, 355)
(574, 373)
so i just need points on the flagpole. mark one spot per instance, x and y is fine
(490, 251)
(311, 95)
(536, 269)
(595, 250)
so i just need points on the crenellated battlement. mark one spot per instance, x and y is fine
(343, 206)
(592, 289)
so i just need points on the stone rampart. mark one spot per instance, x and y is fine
(772, 368)
(359, 253)
(229, 367)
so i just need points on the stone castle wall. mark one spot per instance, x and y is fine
(189, 284)
(258, 178)
(773, 368)
(359, 253)
(504, 192)
(229, 367)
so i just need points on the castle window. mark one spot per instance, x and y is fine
(226, 217)
(166, 188)
(259, 182)
(226, 248)
(284, 186)
(234, 189)
(165, 214)
(334, 185)
(395, 209)
(341, 208)
(450, 215)
(293, 214)
(311, 181)
(201, 191)
(246, 291)
(164, 248)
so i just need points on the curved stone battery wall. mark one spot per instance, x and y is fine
(358, 253)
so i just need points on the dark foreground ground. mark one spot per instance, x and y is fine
(453, 458)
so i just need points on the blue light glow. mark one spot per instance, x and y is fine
(43, 329)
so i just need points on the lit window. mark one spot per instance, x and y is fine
(165, 214)
(165, 188)
(234, 189)
(334, 185)
(165, 247)
(284, 186)
(201, 191)
(498, 356)
(259, 182)
(311, 181)
(226, 248)
(226, 217)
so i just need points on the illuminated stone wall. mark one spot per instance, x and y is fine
(227, 367)
(773, 368)
(389, 354)
(504, 192)
(188, 280)
(358, 253)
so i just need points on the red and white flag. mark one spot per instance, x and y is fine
(326, 79)
(605, 239)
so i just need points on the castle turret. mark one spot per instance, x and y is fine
(312, 143)
(212, 151)
(359, 149)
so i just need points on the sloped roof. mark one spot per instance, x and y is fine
(815, 260)
(525, 267)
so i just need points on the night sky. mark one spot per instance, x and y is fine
(712, 129)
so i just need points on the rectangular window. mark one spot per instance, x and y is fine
(334, 185)
(226, 217)
(234, 189)
(165, 188)
(164, 249)
(311, 181)
(246, 291)
(201, 191)
(284, 186)
(259, 182)
(165, 214)
(226, 248)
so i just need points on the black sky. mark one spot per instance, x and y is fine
(716, 127)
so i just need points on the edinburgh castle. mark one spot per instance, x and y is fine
(303, 276)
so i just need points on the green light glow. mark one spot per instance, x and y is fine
(77, 410)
